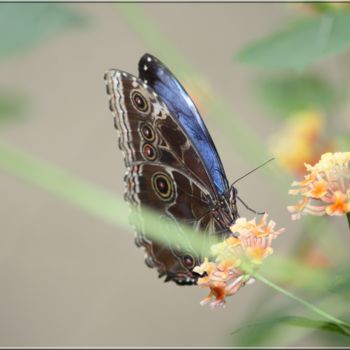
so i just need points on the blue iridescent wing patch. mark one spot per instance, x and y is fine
(168, 88)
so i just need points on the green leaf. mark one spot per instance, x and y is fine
(98, 202)
(327, 6)
(255, 334)
(316, 324)
(261, 332)
(291, 271)
(286, 94)
(302, 44)
(24, 25)
(341, 283)
(11, 107)
(343, 142)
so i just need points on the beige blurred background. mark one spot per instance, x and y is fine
(70, 279)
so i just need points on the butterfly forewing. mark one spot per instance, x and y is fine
(182, 108)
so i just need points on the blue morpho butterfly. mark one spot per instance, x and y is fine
(172, 163)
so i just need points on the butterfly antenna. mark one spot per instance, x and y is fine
(240, 178)
(252, 210)
(258, 167)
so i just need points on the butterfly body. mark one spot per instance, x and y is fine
(172, 164)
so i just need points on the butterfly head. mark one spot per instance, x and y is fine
(226, 210)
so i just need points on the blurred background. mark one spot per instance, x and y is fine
(269, 80)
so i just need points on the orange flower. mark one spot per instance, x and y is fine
(257, 254)
(326, 189)
(317, 189)
(301, 140)
(249, 245)
(340, 206)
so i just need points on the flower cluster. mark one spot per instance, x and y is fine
(325, 188)
(300, 140)
(235, 259)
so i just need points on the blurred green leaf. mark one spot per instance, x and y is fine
(301, 44)
(98, 201)
(316, 324)
(341, 283)
(24, 25)
(328, 6)
(260, 332)
(295, 273)
(343, 142)
(287, 94)
(11, 107)
(255, 334)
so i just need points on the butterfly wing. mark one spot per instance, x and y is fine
(164, 171)
(164, 83)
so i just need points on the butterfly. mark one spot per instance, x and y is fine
(172, 163)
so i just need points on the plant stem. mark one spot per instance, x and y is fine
(311, 307)
(348, 217)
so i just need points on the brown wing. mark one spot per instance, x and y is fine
(164, 171)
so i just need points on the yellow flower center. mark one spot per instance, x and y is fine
(340, 204)
(257, 254)
(319, 189)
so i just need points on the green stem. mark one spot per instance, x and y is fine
(348, 217)
(311, 307)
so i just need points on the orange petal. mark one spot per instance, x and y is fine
(298, 207)
(340, 205)
(318, 189)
